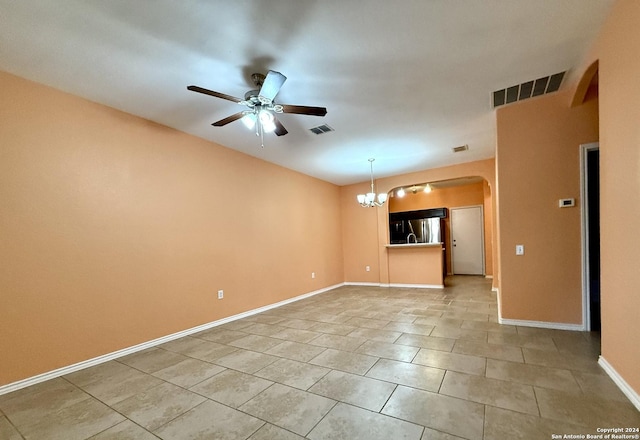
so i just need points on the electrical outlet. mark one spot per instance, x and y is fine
(519, 249)
(220, 294)
(313, 274)
(367, 268)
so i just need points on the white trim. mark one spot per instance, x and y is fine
(633, 396)
(418, 286)
(584, 235)
(357, 283)
(542, 324)
(489, 277)
(14, 386)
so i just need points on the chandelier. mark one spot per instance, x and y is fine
(370, 199)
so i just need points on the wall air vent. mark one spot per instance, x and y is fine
(528, 89)
(320, 129)
(461, 148)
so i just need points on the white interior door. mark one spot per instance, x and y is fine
(467, 241)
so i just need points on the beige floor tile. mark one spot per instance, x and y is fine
(220, 335)
(376, 334)
(272, 432)
(501, 352)
(209, 351)
(348, 422)
(300, 324)
(599, 385)
(333, 329)
(152, 360)
(159, 405)
(266, 318)
(256, 343)
(507, 395)
(459, 333)
(231, 387)
(263, 329)
(404, 353)
(432, 434)
(467, 316)
(77, 421)
(442, 413)
(536, 342)
(451, 361)
(181, 344)
(210, 420)
(489, 326)
(442, 344)
(545, 377)
(366, 323)
(442, 322)
(25, 406)
(405, 327)
(120, 386)
(293, 373)
(338, 342)
(561, 360)
(296, 335)
(356, 390)
(403, 373)
(504, 424)
(90, 375)
(126, 430)
(344, 361)
(188, 372)
(289, 408)
(236, 325)
(246, 361)
(296, 351)
(7, 430)
(591, 411)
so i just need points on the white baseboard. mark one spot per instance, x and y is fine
(14, 386)
(356, 283)
(418, 286)
(489, 277)
(633, 396)
(543, 324)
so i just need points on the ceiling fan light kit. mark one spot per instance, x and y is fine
(260, 115)
(370, 199)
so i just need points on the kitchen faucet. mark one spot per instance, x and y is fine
(415, 239)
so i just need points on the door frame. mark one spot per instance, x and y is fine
(584, 233)
(453, 270)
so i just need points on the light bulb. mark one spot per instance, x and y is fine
(400, 192)
(427, 188)
(249, 120)
(361, 198)
(267, 121)
(382, 197)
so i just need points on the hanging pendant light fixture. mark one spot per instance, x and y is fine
(370, 199)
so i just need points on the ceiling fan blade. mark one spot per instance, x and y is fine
(304, 110)
(280, 130)
(212, 93)
(271, 86)
(228, 119)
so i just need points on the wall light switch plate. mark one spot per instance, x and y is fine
(313, 274)
(519, 249)
(367, 268)
(220, 294)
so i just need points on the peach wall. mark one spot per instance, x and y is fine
(452, 197)
(616, 51)
(116, 230)
(371, 225)
(538, 163)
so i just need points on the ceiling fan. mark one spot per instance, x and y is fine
(261, 108)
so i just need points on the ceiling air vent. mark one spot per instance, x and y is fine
(461, 148)
(528, 89)
(320, 129)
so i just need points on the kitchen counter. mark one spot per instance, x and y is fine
(416, 265)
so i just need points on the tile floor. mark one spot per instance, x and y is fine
(353, 363)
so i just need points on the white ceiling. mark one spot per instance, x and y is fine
(404, 81)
